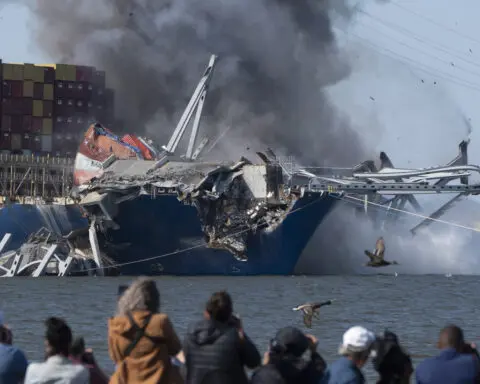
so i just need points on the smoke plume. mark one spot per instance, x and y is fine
(277, 56)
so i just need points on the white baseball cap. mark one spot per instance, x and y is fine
(357, 339)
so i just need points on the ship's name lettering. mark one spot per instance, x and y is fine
(96, 163)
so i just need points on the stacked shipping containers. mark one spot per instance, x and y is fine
(47, 108)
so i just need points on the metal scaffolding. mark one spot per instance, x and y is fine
(35, 180)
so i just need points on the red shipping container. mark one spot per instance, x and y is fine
(27, 123)
(5, 140)
(17, 88)
(84, 73)
(6, 89)
(38, 91)
(47, 108)
(37, 123)
(17, 124)
(49, 75)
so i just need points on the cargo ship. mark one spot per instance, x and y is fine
(157, 213)
(44, 112)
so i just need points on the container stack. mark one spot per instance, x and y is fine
(47, 108)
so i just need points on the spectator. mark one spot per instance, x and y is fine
(355, 350)
(216, 348)
(141, 341)
(13, 363)
(390, 360)
(80, 355)
(57, 368)
(452, 365)
(284, 362)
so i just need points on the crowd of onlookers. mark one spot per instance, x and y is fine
(145, 348)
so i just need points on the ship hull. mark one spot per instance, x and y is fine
(21, 220)
(168, 234)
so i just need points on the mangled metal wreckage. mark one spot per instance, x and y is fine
(46, 253)
(232, 201)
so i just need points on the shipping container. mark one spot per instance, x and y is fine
(6, 123)
(26, 123)
(16, 123)
(49, 75)
(16, 87)
(27, 106)
(6, 89)
(37, 108)
(65, 72)
(46, 143)
(36, 143)
(47, 92)
(12, 106)
(37, 124)
(17, 72)
(84, 73)
(47, 108)
(38, 91)
(39, 74)
(47, 126)
(5, 141)
(27, 88)
(99, 79)
(29, 72)
(27, 141)
(16, 143)
(7, 71)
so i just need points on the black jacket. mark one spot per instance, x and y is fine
(214, 353)
(291, 370)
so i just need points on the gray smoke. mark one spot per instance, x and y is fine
(276, 58)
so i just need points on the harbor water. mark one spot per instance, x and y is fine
(415, 307)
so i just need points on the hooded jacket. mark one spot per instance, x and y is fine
(149, 361)
(214, 353)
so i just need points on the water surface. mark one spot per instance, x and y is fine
(415, 307)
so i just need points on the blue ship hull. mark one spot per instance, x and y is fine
(162, 229)
(22, 220)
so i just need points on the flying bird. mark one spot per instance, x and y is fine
(310, 310)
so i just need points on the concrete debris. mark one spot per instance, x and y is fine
(47, 254)
(232, 200)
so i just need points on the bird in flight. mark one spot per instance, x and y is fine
(310, 310)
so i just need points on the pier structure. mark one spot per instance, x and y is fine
(28, 179)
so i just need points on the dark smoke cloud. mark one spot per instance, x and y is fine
(276, 56)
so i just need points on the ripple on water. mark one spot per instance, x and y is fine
(415, 307)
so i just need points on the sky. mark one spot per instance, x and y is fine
(416, 72)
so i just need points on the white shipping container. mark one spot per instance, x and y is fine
(46, 143)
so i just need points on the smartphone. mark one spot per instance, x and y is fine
(121, 289)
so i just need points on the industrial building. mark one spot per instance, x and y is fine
(46, 108)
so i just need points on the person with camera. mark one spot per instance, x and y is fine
(458, 362)
(80, 355)
(355, 351)
(284, 364)
(389, 359)
(217, 348)
(13, 363)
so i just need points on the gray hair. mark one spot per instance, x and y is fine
(141, 295)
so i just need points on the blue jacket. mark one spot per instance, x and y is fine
(449, 367)
(343, 371)
(13, 365)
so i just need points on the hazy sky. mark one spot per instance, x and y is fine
(427, 35)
